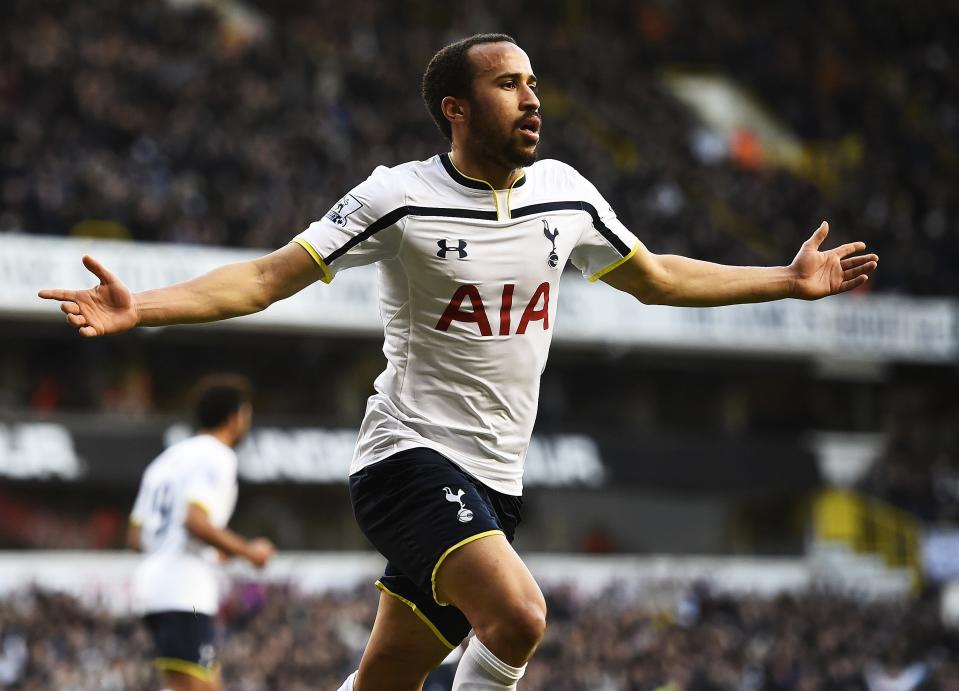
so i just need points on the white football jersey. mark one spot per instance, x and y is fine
(179, 572)
(468, 283)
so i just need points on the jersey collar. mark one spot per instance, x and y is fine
(474, 183)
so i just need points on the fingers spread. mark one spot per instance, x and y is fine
(816, 239)
(98, 270)
(851, 284)
(57, 294)
(850, 248)
(69, 308)
(853, 262)
(866, 268)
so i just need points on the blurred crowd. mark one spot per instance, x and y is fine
(187, 125)
(272, 638)
(918, 470)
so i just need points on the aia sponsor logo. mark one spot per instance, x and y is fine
(467, 306)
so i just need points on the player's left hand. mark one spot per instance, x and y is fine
(821, 273)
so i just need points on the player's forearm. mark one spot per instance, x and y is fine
(223, 539)
(685, 282)
(133, 536)
(228, 291)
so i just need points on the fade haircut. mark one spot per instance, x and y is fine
(451, 74)
(218, 397)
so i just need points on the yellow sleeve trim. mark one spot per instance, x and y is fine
(417, 612)
(602, 272)
(327, 274)
(135, 522)
(200, 504)
(448, 552)
(172, 664)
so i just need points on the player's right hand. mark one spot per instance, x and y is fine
(105, 309)
(260, 551)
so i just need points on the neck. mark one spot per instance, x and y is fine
(473, 165)
(223, 435)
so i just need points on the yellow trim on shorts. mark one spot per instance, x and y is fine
(416, 610)
(327, 274)
(450, 551)
(602, 272)
(173, 664)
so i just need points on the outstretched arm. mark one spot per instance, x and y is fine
(684, 282)
(228, 291)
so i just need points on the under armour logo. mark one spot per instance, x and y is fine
(464, 515)
(553, 258)
(459, 248)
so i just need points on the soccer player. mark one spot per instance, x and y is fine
(179, 520)
(470, 247)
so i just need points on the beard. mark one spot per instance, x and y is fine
(502, 149)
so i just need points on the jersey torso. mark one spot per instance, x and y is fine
(179, 572)
(468, 283)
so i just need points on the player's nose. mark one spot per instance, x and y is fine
(529, 101)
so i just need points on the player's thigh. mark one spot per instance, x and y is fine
(401, 652)
(178, 681)
(490, 584)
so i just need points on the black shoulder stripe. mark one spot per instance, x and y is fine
(451, 213)
(546, 206)
(396, 215)
(376, 226)
(610, 236)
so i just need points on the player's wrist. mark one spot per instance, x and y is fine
(793, 282)
(137, 313)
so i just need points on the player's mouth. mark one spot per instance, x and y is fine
(530, 127)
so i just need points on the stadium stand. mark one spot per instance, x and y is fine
(157, 123)
(275, 638)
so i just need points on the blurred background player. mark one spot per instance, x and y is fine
(179, 520)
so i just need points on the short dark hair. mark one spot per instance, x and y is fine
(218, 397)
(450, 73)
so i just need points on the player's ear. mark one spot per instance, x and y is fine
(454, 109)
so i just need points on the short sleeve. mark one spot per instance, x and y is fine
(210, 481)
(606, 243)
(140, 508)
(361, 228)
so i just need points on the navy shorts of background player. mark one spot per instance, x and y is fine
(184, 642)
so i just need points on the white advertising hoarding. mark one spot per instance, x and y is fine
(874, 327)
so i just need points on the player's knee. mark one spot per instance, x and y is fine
(520, 625)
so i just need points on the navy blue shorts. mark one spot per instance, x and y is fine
(416, 507)
(184, 642)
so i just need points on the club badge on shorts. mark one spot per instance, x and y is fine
(464, 515)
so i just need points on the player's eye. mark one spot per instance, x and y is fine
(509, 85)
